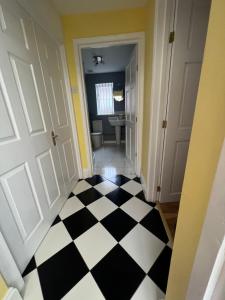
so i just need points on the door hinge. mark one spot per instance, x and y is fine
(164, 124)
(137, 68)
(136, 119)
(158, 189)
(171, 37)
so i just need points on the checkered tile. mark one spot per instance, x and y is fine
(106, 243)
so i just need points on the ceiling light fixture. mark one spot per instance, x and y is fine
(97, 59)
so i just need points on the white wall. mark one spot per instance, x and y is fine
(46, 15)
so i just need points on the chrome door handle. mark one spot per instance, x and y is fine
(54, 137)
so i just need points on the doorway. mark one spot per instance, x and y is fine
(179, 61)
(107, 75)
(110, 78)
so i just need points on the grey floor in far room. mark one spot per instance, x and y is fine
(110, 160)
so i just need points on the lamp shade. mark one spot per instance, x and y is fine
(118, 95)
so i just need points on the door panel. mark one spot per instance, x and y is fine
(186, 60)
(22, 200)
(189, 92)
(55, 89)
(32, 188)
(49, 177)
(8, 128)
(59, 101)
(69, 159)
(27, 88)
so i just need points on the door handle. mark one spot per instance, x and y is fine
(54, 137)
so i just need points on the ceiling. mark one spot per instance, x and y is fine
(65, 7)
(115, 58)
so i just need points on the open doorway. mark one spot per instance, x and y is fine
(179, 60)
(110, 101)
(110, 75)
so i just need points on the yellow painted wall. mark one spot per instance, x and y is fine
(3, 287)
(206, 141)
(98, 24)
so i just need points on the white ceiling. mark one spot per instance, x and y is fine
(65, 7)
(116, 58)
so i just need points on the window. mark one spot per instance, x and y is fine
(104, 98)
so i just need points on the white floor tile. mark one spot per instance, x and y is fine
(136, 208)
(32, 290)
(94, 244)
(148, 291)
(86, 289)
(105, 187)
(132, 187)
(101, 208)
(56, 239)
(110, 160)
(71, 206)
(81, 186)
(143, 246)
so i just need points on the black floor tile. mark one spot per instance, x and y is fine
(30, 267)
(160, 270)
(89, 196)
(96, 179)
(119, 196)
(141, 196)
(137, 179)
(71, 195)
(57, 220)
(61, 272)
(153, 222)
(119, 179)
(118, 223)
(79, 222)
(118, 275)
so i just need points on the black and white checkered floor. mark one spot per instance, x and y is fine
(106, 243)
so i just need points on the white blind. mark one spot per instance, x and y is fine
(104, 98)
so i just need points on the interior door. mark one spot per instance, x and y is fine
(190, 32)
(130, 108)
(51, 64)
(31, 192)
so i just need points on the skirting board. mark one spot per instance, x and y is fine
(12, 294)
(86, 173)
(144, 186)
(113, 142)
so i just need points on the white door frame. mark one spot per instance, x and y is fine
(210, 258)
(163, 24)
(137, 38)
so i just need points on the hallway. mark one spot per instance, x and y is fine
(110, 160)
(106, 243)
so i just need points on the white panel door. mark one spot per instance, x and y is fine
(190, 32)
(55, 87)
(130, 108)
(31, 193)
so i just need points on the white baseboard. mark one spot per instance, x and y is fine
(109, 142)
(12, 294)
(86, 173)
(113, 142)
(143, 185)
